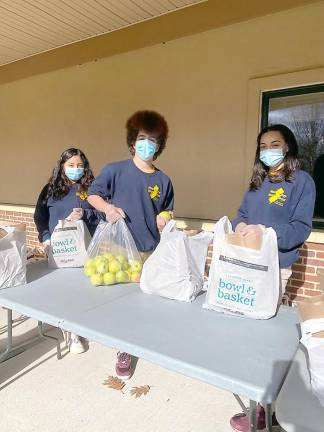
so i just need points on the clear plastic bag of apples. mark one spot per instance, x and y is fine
(112, 256)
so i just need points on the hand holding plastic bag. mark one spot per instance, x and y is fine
(244, 272)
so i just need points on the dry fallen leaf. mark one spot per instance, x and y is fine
(114, 383)
(140, 391)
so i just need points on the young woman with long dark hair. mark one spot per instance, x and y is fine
(280, 196)
(65, 197)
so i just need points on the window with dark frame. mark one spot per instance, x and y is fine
(302, 110)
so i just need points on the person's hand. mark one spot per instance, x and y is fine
(160, 222)
(46, 247)
(240, 227)
(76, 214)
(249, 230)
(113, 214)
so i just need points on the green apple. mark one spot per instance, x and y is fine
(122, 277)
(89, 262)
(96, 279)
(102, 267)
(109, 256)
(125, 265)
(121, 258)
(98, 259)
(165, 215)
(135, 277)
(109, 279)
(90, 269)
(114, 266)
(135, 266)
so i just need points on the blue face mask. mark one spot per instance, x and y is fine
(271, 157)
(74, 174)
(145, 149)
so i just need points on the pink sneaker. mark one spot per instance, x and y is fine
(240, 422)
(124, 365)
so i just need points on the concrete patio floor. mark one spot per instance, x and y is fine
(39, 393)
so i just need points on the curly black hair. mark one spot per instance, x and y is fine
(151, 122)
(59, 184)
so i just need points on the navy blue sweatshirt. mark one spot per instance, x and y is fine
(287, 207)
(141, 195)
(48, 213)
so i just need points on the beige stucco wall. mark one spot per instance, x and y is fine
(200, 83)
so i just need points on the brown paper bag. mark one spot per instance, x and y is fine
(191, 232)
(313, 307)
(252, 241)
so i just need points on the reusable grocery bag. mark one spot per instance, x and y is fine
(312, 315)
(176, 268)
(13, 255)
(243, 278)
(69, 242)
(112, 255)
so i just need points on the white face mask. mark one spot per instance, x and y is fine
(145, 149)
(271, 157)
(315, 349)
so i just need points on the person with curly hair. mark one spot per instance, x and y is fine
(65, 197)
(137, 191)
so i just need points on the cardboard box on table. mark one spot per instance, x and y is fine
(313, 307)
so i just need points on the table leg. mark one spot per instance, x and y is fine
(268, 414)
(46, 336)
(248, 412)
(252, 416)
(9, 351)
(240, 402)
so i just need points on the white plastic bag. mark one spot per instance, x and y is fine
(113, 256)
(176, 268)
(315, 350)
(69, 243)
(243, 280)
(13, 255)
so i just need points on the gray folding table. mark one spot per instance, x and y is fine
(297, 409)
(244, 356)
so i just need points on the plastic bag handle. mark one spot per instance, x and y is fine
(169, 227)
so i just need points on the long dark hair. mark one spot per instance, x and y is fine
(291, 161)
(59, 184)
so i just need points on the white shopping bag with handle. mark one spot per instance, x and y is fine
(312, 327)
(176, 268)
(69, 242)
(243, 280)
(315, 349)
(13, 255)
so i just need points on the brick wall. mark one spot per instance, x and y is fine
(303, 283)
